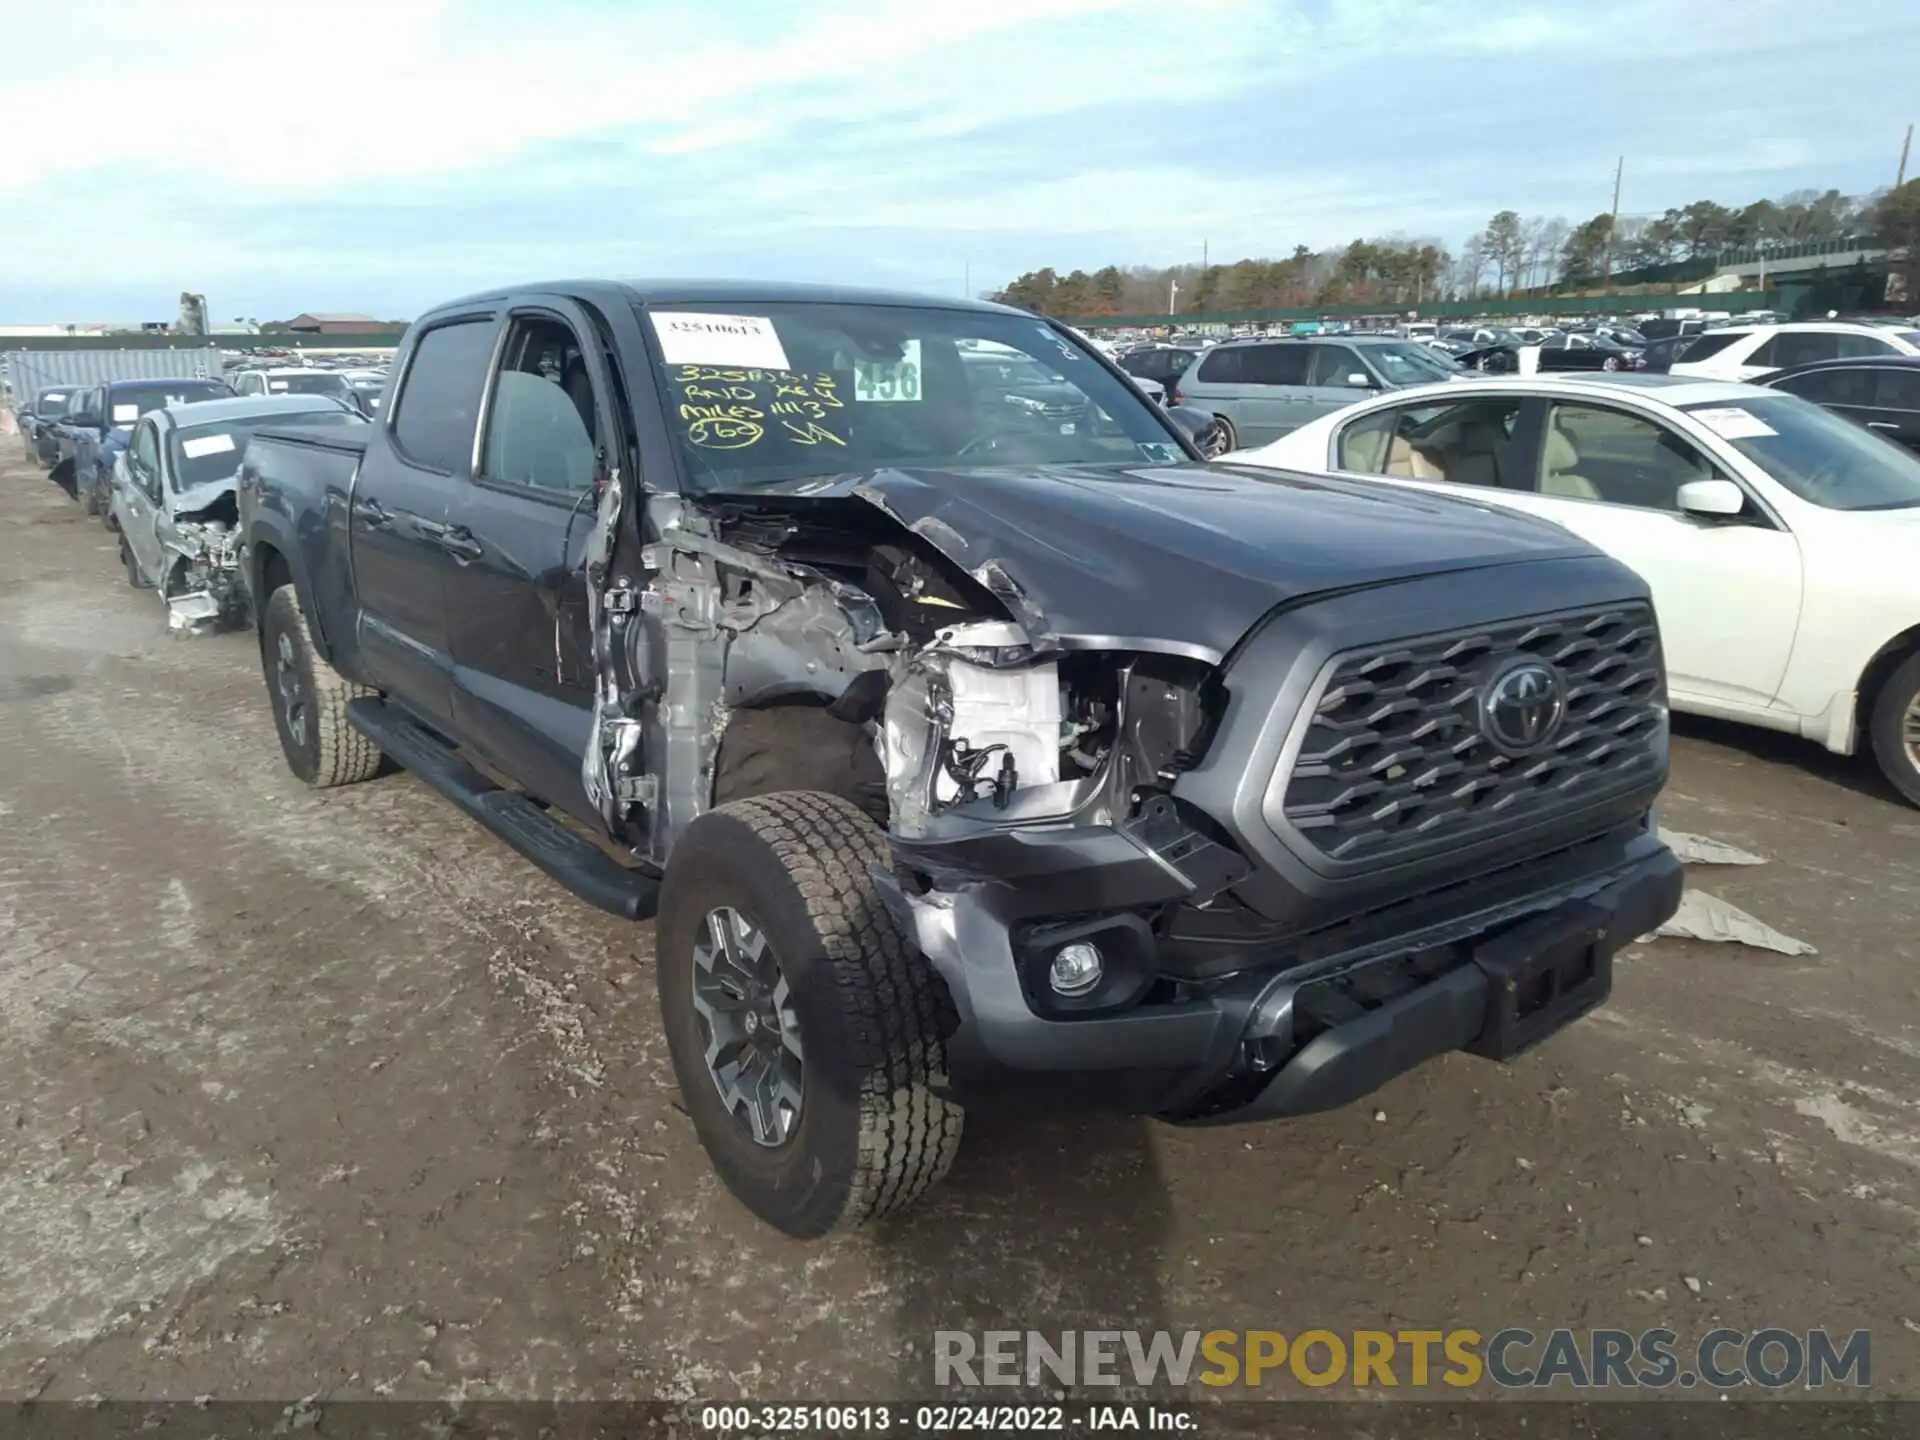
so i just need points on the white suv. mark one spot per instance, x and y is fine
(1742, 352)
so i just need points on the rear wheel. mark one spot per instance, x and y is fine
(310, 701)
(1895, 728)
(806, 1033)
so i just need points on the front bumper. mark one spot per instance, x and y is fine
(1312, 1028)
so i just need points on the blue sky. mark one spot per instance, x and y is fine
(378, 155)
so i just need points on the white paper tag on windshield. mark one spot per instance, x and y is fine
(276, 384)
(202, 446)
(1733, 423)
(746, 341)
(125, 414)
(889, 379)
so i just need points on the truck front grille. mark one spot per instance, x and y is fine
(1396, 761)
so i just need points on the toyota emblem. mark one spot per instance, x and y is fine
(1522, 707)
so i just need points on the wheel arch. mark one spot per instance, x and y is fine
(273, 560)
(1888, 658)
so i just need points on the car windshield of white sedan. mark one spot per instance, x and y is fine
(1410, 364)
(202, 454)
(793, 391)
(1820, 457)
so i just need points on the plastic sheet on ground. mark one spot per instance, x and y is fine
(1706, 917)
(1705, 850)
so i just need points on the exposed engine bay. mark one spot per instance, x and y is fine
(834, 604)
(201, 583)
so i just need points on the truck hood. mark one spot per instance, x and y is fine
(1181, 558)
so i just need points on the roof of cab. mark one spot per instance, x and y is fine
(245, 407)
(727, 292)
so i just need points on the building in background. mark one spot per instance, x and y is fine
(340, 323)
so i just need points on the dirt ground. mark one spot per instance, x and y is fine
(332, 1093)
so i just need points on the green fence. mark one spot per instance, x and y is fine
(1732, 304)
(140, 340)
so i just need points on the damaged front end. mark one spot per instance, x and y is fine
(1083, 785)
(200, 577)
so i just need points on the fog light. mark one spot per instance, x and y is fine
(1076, 969)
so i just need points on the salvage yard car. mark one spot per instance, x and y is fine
(41, 414)
(1779, 539)
(174, 505)
(1258, 390)
(98, 432)
(963, 752)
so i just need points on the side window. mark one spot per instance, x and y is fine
(1595, 453)
(1796, 347)
(1331, 366)
(541, 423)
(1896, 389)
(439, 398)
(1852, 347)
(146, 451)
(1842, 386)
(1224, 366)
(1275, 365)
(1709, 344)
(1464, 442)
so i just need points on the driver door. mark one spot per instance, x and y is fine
(141, 501)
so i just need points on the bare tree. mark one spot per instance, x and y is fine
(1470, 269)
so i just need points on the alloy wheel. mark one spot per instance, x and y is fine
(1910, 731)
(287, 683)
(749, 1030)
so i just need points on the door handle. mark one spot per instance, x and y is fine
(372, 514)
(1881, 425)
(459, 543)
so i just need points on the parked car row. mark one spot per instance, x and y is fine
(158, 461)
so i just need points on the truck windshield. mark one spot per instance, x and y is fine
(788, 391)
(320, 382)
(201, 454)
(129, 402)
(53, 404)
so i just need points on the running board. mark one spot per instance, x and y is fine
(577, 863)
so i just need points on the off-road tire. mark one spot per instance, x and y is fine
(799, 747)
(871, 1136)
(134, 577)
(1887, 726)
(330, 752)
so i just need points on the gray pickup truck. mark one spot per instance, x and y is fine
(968, 737)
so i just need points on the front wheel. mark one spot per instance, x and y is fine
(1220, 440)
(1895, 727)
(134, 577)
(807, 1035)
(310, 701)
(90, 499)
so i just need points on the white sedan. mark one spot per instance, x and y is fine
(1781, 542)
(1744, 352)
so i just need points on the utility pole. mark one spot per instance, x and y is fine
(1203, 244)
(1901, 178)
(1173, 290)
(1613, 223)
(966, 285)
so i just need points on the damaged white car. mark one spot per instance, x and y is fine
(173, 499)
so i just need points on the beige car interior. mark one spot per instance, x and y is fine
(1560, 468)
(1464, 450)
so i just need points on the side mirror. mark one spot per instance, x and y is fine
(1357, 381)
(1711, 499)
(1199, 426)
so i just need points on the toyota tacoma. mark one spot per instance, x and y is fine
(966, 733)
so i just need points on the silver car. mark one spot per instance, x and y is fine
(1259, 390)
(173, 498)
